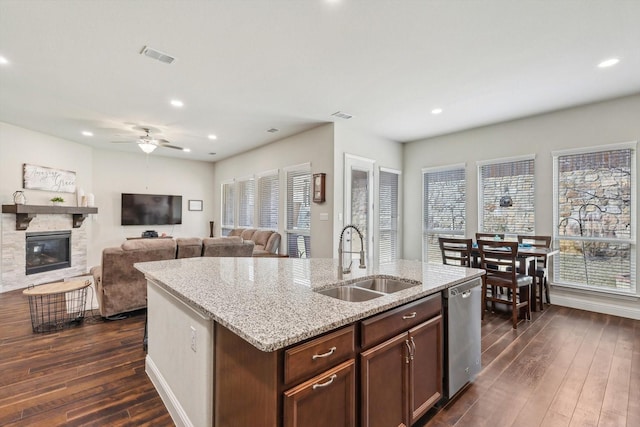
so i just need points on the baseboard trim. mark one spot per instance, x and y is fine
(169, 399)
(595, 306)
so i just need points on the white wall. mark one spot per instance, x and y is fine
(348, 140)
(116, 172)
(590, 125)
(314, 146)
(106, 174)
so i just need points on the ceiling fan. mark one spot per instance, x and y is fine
(148, 144)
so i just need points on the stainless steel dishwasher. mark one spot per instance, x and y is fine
(462, 335)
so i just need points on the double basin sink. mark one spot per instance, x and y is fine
(367, 289)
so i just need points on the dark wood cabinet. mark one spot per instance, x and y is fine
(401, 378)
(384, 379)
(425, 370)
(325, 400)
(393, 361)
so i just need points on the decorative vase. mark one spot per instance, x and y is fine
(19, 198)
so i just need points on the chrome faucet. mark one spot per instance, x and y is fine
(341, 251)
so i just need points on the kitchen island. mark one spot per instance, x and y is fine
(222, 330)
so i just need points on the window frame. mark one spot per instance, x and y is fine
(398, 208)
(304, 167)
(504, 160)
(632, 240)
(225, 226)
(438, 231)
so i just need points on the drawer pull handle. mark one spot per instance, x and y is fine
(409, 316)
(318, 385)
(327, 354)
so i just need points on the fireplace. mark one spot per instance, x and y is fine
(48, 250)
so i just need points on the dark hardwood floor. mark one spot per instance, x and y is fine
(564, 368)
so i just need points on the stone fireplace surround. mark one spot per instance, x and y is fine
(13, 261)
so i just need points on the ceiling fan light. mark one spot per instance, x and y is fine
(147, 147)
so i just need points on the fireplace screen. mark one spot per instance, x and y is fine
(47, 251)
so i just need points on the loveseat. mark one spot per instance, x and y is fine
(267, 242)
(121, 288)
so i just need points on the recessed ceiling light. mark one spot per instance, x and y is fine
(436, 111)
(186, 150)
(177, 103)
(3, 60)
(608, 63)
(87, 133)
(212, 136)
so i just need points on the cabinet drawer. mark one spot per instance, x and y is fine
(319, 354)
(325, 400)
(385, 325)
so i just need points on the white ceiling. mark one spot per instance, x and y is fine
(246, 66)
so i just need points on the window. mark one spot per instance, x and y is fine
(444, 202)
(506, 196)
(299, 212)
(388, 239)
(269, 200)
(228, 205)
(246, 205)
(594, 217)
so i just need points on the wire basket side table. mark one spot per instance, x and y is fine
(55, 306)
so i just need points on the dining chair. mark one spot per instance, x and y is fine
(489, 236)
(456, 251)
(503, 255)
(541, 266)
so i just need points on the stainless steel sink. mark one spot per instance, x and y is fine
(350, 293)
(387, 286)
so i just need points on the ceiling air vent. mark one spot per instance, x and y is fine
(342, 115)
(156, 54)
(272, 130)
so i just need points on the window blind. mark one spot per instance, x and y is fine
(504, 180)
(299, 213)
(228, 202)
(444, 209)
(269, 200)
(246, 205)
(388, 221)
(593, 213)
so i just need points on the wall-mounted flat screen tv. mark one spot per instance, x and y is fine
(151, 209)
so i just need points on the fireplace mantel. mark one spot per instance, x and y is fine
(25, 213)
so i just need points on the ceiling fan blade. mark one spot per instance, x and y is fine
(162, 141)
(172, 146)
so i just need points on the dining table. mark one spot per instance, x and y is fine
(528, 256)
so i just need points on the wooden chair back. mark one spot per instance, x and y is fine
(456, 251)
(537, 242)
(489, 236)
(499, 260)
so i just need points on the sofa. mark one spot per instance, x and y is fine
(267, 242)
(121, 288)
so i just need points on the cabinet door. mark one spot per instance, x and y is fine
(425, 377)
(384, 382)
(325, 400)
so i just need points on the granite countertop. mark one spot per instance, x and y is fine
(271, 303)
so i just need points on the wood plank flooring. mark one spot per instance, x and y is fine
(566, 367)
